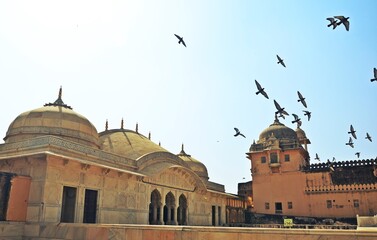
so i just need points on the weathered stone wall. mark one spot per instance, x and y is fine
(64, 231)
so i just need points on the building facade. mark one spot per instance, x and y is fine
(285, 182)
(55, 167)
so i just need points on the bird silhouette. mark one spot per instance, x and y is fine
(374, 74)
(180, 40)
(368, 137)
(280, 109)
(343, 20)
(297, 119)
(357, 154)
(307, 113)
(281, 116)
(350, 143)
(301, 99)
(260, 89)
(238, 133)
(333, 23)
(352, 132)
(281, 61)
(316, 157)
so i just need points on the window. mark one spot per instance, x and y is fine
(68, 204)
(329, 203)
(290, 205)
(263, 159)
(267, 205)
(90, 206)
(356, 203)
(286, 158)
(274, 158)
(278, 207)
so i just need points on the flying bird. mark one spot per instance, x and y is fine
(281, 115)
(374, 74)
(333, 23)
(357, 154)
(316, 157)
(260, 89)
(238, 133)
(281, 61)
(301, 99)
(297, 119)
(180, 40)
(368, 137)
(352, 132)
(343, 20)
(350, 143)
(280, 109)
(307, 113)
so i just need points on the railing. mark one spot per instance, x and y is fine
(301, 226)
(341, 188)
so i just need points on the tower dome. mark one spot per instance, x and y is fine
(57, 119)
(279, 131)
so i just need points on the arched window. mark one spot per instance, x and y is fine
(155, 208)
(182, 210)
(169, 209)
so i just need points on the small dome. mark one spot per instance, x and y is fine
(127, 143)
(195, 165)
(279, 131)
(301, 135)
(55, 119)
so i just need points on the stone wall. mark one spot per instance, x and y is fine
(13, 231)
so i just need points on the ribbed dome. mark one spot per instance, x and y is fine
(55, 119)
(279, 131)
(195, 165)
(127, 143)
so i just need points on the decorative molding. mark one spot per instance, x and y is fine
(52, 141)
(85, 166)
(341, 188)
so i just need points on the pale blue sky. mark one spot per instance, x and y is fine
(120, 59)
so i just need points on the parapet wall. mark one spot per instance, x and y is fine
(78, 231)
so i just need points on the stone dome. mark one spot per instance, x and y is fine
(301, 135)
(279, 131)
(198, 167)
(127, 143)
(55, 119)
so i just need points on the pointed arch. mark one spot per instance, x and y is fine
(169, 209)
(182, 210)
(155, 208)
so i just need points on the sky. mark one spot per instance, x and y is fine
(120, 59)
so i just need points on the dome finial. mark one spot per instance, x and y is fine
(58, 102)
(183, 153)
(60, 93)
(122, 124)
(137, 128)
(107, 125)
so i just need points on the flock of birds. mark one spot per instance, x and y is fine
(334, 22)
